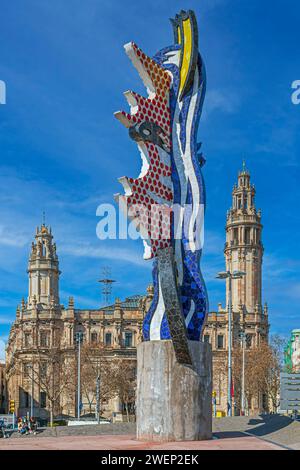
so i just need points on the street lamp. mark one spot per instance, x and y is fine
(98, 398)
(243, 337)
(98, 392)
(32, 390)
(79, 338)
(230, 276)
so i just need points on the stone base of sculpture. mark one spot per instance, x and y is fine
(174, 402)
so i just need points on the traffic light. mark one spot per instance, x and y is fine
(11, 406)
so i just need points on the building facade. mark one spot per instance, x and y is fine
(243, 251)
(3, 404)
(292, 353)
(43, 325)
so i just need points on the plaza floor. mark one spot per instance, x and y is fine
(237, 433)
(237, 441)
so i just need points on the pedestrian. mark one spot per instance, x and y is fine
(32, 425)
(2, 429)
(20, 424)
(24, 426)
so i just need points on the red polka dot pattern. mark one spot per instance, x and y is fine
(152, 213)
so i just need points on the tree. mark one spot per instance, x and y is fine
(52, 371)
(124, 382)
(262, 372)
(220, 374)
(95, 363)
(272, 377)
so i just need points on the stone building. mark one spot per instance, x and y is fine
(43, 324)
(243, 252)
(2, 388)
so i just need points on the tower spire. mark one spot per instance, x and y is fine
(244, 249)
(44, 219)
(43, 268)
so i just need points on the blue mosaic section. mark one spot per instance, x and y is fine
(164, 328)
(192, 292)
(193, 289)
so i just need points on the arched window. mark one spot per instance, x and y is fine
(94, 337)
(27, 339)
(220, 342)
(44, 339)
(108, 339)
(128, 339)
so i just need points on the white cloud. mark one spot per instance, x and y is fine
(11, 237)
(213, 243)
(2, 348)
(6, 320)
(226, 101)
(89, 251)
(294, 292)
(87, 302)
(278, 267)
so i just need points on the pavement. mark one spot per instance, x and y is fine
(278, 429)
(128, 442)
(264, 432)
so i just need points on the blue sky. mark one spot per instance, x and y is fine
(61, 150)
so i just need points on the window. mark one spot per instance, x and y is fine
(27, 369)
(206, 338)
(26, 399)
(94, 337)
(248, 341)
(27, 339)
(55, 338)
(44, 339)
(43, 399)
(235, 236)
(128, 339)
(220, 342)
(108, 339)
(43, 369)
(247, 236)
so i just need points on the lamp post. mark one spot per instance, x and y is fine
(243, 340)
(230, 276)
(98, 392)
(32, 391)
(98, 397)
(79, 338)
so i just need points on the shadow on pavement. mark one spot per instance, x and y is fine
(268, 424)
(227, 434)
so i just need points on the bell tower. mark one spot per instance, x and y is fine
(243, 248)
(43, 269)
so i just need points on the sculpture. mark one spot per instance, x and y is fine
(167, 199)
(166, 203)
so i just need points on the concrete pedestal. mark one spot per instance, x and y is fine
(173, 400)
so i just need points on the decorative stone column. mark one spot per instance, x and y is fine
(173, 400)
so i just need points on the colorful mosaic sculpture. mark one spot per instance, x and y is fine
(167, 200)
